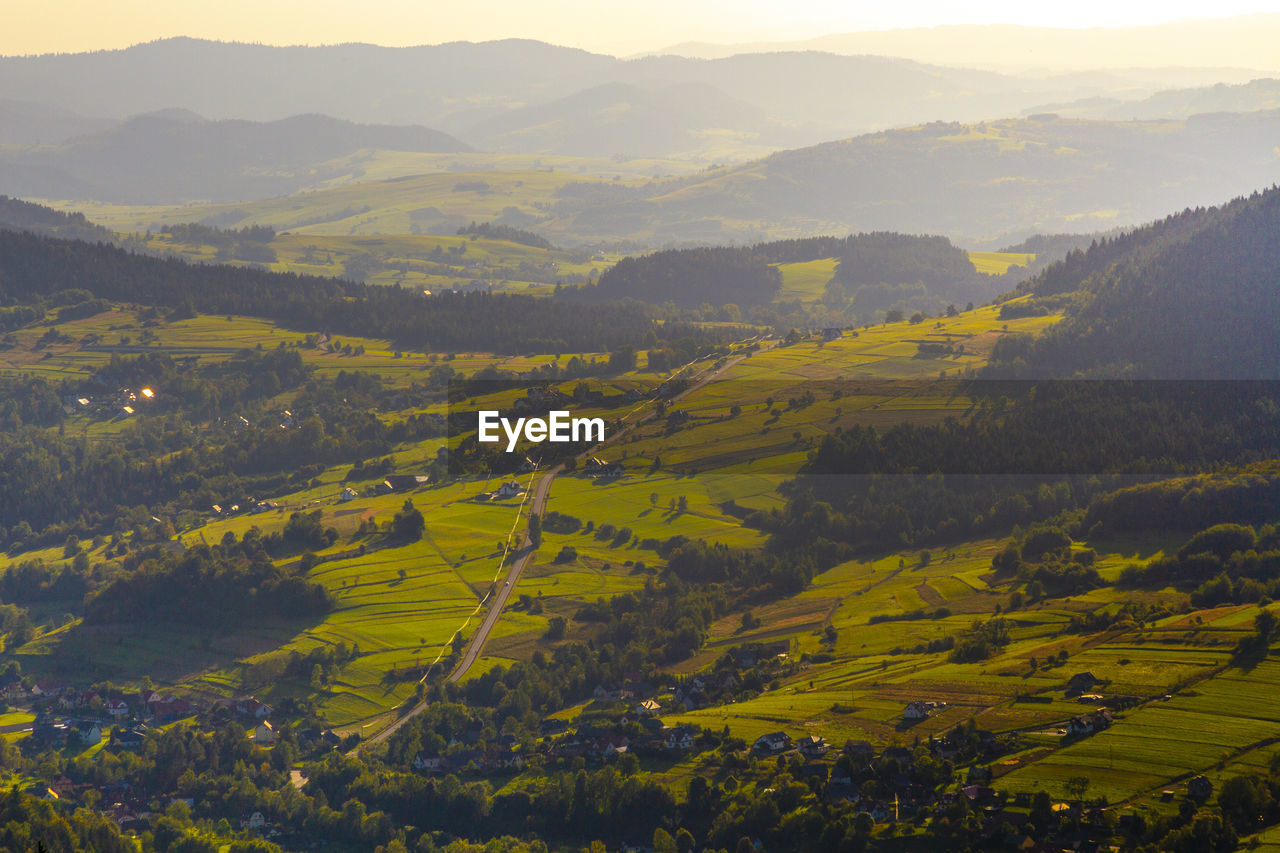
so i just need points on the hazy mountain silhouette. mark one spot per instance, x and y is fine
(175, 155)
(1261, 94)
(29, 123)
(979, 183)
(504, 89)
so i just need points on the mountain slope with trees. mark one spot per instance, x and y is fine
(1194, 296)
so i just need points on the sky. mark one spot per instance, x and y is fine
(620, 27)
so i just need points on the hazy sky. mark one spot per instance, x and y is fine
(614, 26)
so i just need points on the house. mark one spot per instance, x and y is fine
(648, 706)
(431, 763)
(253, 821)
(404, 482)
(1081, 682)
(265, 733)
(603, 693)
(831, 333)
(680, 739)
(313, 736)
(509, 489)
(251, 707)
(812, 746)
(76, 699)
(1080, 726)
(116, 708)
(916, 711)
(45, 687)
(170, 708)
(772, 743)
(348, 494)
(89, 732)
(527, 466)
(130, 738)
(978, 793)
(860, 751)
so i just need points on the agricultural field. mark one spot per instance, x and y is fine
(87, 344)
(879, 376)
(806, 281)
(427, 203)
(998, 263)
(430, 262)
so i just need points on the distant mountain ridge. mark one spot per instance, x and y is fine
(1240, 41)
(985, 183)
(176, 155)
(1259, 94)
(499, 94)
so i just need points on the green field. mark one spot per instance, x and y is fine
(805, 281)
(998, 263)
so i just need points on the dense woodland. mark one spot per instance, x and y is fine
(34, 268)
(1157, 302)
(689, 278)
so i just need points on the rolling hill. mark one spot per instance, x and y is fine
(176, 156)
(1260, 94)
(676, 120)
(987, 182)
(1194, 296)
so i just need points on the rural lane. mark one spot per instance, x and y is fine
(476, 644)
(504, 592)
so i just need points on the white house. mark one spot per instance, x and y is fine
(508, 489)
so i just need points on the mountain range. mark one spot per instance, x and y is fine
(512, 94)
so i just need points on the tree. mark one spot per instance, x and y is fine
(1078, 786)
(408, 523)
(535, 529)
(1265, 624)
(556, 628)
(622, 360)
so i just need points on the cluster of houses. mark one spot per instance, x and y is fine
(391, 483)
(250, 504)
(921, 710)
(123, 402)
(71, 715)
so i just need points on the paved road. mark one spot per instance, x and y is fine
(476, 645)
(504, 592)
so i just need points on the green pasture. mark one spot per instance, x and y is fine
(998, 263)
(805, 281)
